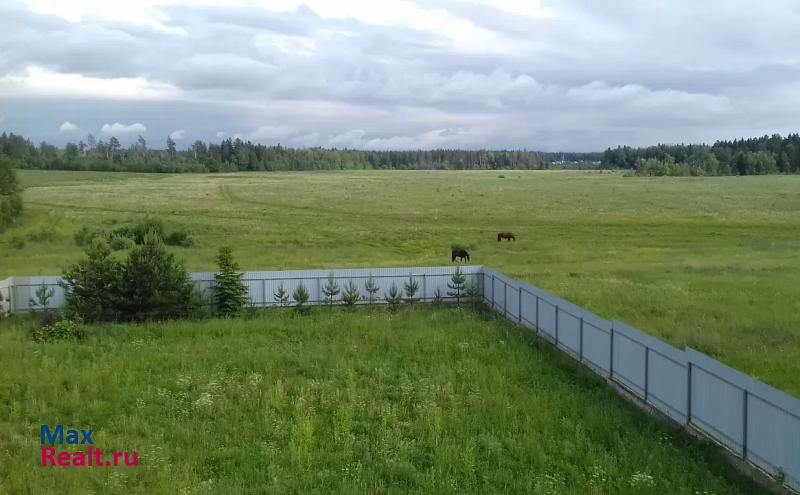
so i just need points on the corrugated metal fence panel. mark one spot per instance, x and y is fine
(528, 307)
(569, 332)
(262, 285)
(629, 359)
(717, 407)
(22, 289)
(547, 319)
(772, 439)
(667, 372)
(597, 345)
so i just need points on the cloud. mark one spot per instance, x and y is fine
(117, 129)
(178, 135)
(535, 74)
(67, 126)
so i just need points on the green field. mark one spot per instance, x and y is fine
(712, 263)
(426, 400)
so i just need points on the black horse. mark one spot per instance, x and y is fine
(460, 253)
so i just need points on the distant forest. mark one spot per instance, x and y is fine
(236, 155)
(763, 155)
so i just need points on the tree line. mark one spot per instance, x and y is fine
(762, 155)
(236, 155)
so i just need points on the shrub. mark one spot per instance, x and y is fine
(281, 296)
(148, 225)
(393, 298)
(411, 287)
(437, 297)
(42, 233)
(10, 197)
(457, 285)
(230, 294)
(331, 290)
(63, 329)
(474, 293)
(84, 235)
(351, 294)
(372, 288)
(17, 242)
(179, 238)
(154, 285)
(91, 285)
(120, 243)
(123, 231)
(300, 296)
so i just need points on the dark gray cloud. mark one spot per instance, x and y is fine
(566, 75)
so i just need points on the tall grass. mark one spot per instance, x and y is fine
(423, 400)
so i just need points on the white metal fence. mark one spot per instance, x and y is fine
(18, 291)
(757, 422)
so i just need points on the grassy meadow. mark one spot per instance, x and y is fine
(712, 263)
(426, 400)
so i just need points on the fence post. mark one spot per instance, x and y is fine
(537, 314)
(611, 353)
(689, 393)
(264, 291)
(424, 285)
(646, 371)
(492, 291)
(744, 424)
(580, 344)
(319, 291)
(519, 305)
(505, 299)
(556, 325)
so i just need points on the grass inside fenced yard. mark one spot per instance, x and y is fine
(711, 262)
(426, 400)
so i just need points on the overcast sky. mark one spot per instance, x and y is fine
(550, 75)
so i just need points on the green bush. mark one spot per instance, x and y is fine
(372, 288)
(179, 238)
(10, 197)
(120, 243)
(230, 294)
(146, 226)
(92, 284)
(84, 235)
(17, 242)
(42, 233)
(154, 285)
(63, 329)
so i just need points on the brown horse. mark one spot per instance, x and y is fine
(506, 235)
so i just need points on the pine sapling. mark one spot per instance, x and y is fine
(42, 300)
(351, 294)
(230, 293)
(437, 296)
(281, 296)
(393, 298)
(331, 290)
(411, 287)
(300, 296)
(371, 288)
(457, 285)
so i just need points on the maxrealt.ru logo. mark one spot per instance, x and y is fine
(91, 457)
